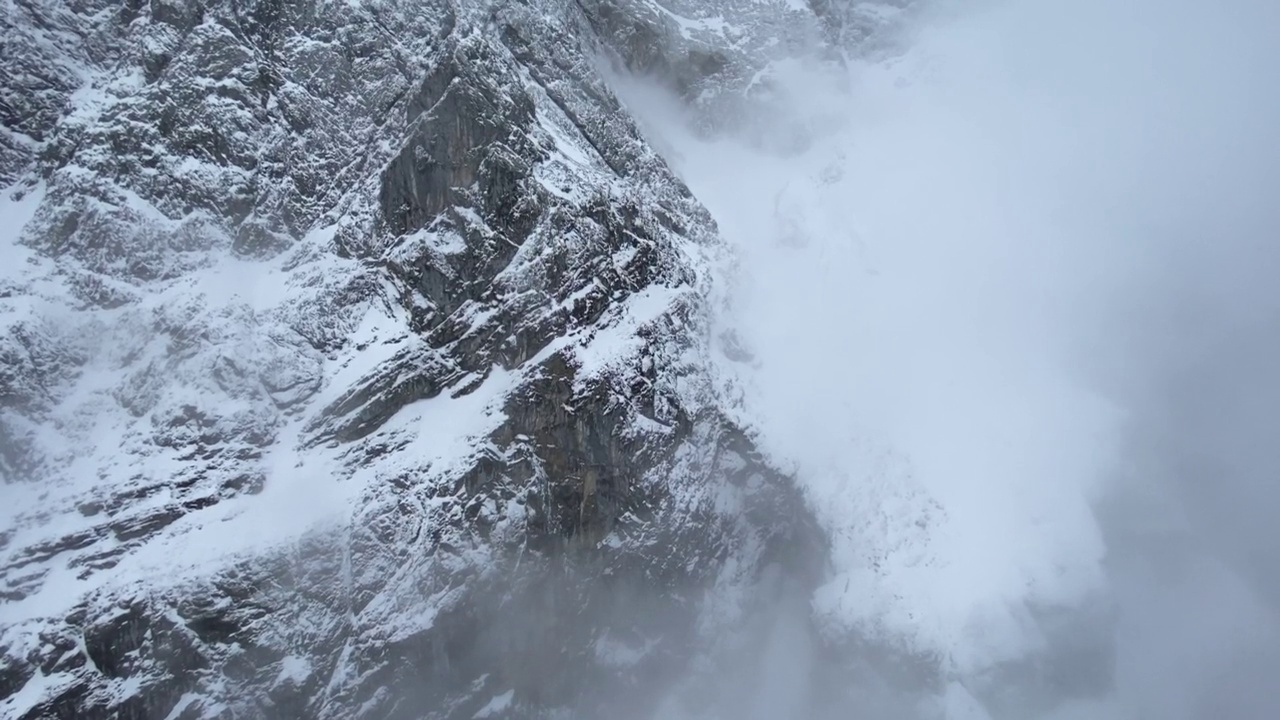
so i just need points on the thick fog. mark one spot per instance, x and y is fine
(1011, 306)
(1012, 301)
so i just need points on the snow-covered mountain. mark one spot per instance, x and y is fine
(368, 359)
(358, 362)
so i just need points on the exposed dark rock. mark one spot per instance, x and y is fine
(141, 527)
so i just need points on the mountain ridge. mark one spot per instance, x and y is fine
(342, 328)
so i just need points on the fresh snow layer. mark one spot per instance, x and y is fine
(306, 488)
(15, 213)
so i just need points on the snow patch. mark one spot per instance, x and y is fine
(294, 669)
(498, 704)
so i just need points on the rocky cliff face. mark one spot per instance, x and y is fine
(357, 362)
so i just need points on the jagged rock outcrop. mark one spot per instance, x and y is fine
(357, 363)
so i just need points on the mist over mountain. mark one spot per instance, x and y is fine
(649, 359)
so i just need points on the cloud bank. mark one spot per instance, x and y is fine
(1014, 317)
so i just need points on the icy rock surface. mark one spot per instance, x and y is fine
(356, 361)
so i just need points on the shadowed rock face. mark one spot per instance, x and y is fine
(270, 246)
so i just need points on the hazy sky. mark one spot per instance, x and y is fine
(1021, 289)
